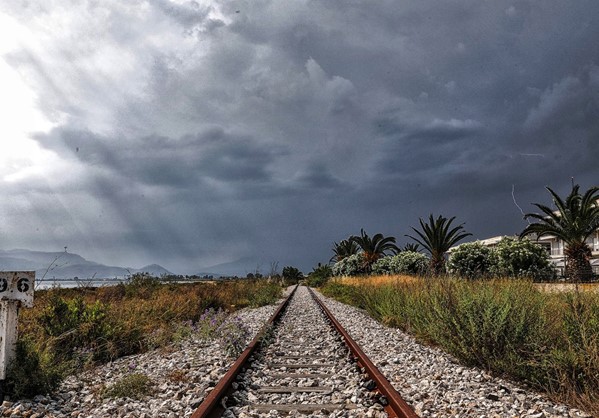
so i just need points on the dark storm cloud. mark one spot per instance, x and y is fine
(181, 162)
(427, 152)
(318, 177)
(210, 131)
(567, 109)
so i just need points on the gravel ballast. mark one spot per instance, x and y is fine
(182, 375)
(432, 381)
(305, 354)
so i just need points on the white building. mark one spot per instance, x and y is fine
(555, 246)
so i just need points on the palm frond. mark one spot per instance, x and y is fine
(437, 237)
(574, 221)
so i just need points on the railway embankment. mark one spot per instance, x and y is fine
(435, 383)
(176, 378)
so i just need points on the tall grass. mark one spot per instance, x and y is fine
(73, 328)
(550, 341)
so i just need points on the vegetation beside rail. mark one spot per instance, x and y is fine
(509, 327)
(70, 329)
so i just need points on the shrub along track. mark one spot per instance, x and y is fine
(303, 361)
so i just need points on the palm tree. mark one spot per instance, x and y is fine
(437, 239)
(374, 248)
(411, 247)
(574, 221)
(344, 249)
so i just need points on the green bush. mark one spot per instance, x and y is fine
(384, 265)
(354, 265)
(319, 275)
(578, 358)
(497, 326)
(292, 275)
(522, 258)
(73, 323)
(472, 260)
(209, 322)
(511, 257)
(35, 372)
(406, 262)
(233, 335)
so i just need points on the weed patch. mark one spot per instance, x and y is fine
(35, 373)
(134, 386)
(233, 336)
(70, 329)
(550, 341)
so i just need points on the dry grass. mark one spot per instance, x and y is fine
(510, 327)
(68, 329)
(568, 287)
(377, 280)
(402, 278)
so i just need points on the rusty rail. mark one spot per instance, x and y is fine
(397, 407)
(211, 406)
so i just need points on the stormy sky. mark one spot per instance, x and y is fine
(194, 133)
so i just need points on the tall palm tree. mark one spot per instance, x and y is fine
(574, 221)
(344, 249)
(411, 247)
(374, 248)
(437, 239)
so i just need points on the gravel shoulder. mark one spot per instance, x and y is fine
(434, 383)
(183, 373)
(303, 331)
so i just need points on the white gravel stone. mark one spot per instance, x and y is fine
(427, 378)
(303, 331)
(183, 374)
(434, 383)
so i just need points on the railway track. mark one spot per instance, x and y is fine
(303, 362)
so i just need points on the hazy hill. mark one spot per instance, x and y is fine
(63, 265)
(240, 267)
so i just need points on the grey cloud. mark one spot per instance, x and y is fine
(189, 14)
(180, 162)
(201, 130)
(427, 150)
(318, 177)
(570, 103)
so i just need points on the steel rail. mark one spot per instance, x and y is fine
(397, 407)
(211, 406)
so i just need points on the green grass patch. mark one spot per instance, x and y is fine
(134, 386)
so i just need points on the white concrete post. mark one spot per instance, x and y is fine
(16, 290)
(9, 311)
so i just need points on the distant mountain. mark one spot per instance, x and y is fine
(240, 268)
(153, 269)
(63, 265)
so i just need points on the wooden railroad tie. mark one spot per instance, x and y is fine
(310, 357)
(301, 366)
(329, 407)
(301, 375)
(295, 389)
